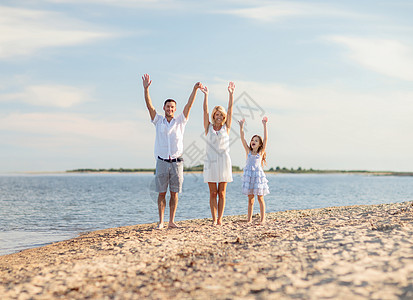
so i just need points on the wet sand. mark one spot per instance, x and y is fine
(353, 252)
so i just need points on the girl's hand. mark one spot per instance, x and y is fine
(264, 120)
(231, 87)
(241, 123)
(204, 89)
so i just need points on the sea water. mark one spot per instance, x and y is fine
(39, 209)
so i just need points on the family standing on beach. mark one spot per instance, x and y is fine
(217, 166)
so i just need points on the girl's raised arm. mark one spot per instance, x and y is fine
(241, 131)
(204, 89)
(264, 142)
(231, 88)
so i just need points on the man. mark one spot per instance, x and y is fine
(168, 150)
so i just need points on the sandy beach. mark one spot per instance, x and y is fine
(353, 252)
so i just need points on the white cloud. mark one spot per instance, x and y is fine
(281, 9)
(268, 13)
(152, 4)
(71, 125)
(389, 57)
(49, 95)
(24, 31)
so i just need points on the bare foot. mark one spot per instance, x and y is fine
(172, 225)
(160, 226)
(249, 221)
(219, 222)
(214, 223)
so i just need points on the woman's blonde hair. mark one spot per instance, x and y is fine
(221, 110)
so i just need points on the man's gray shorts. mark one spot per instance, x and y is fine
(169, 173)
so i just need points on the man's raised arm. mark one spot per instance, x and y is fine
(191, 99)
(146, 83)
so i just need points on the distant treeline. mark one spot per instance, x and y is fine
(312, 171)
(120, 170)
(299, 170)
(198, 168)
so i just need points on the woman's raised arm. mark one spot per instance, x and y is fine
(204, 89)
(231, 88)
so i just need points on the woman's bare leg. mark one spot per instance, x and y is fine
(222, 186)
(213, 201)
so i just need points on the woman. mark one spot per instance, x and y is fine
(217, 166)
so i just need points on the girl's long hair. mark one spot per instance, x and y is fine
(264, 155)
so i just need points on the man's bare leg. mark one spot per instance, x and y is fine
(173, 204)
(161, 209)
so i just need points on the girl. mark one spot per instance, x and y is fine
(217, 165)
(254, 182)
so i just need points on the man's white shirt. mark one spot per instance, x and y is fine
(169, 136)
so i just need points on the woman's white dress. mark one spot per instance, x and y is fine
(217, 165)
(254, 181)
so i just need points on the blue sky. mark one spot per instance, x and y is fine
(335, 79)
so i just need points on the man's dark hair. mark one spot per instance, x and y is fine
(169, 100)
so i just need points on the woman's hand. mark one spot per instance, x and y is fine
(204, 89)
(231, 87)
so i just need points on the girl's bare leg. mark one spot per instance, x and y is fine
(262, 208)
(250, 207)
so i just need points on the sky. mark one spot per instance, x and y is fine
(334, 78)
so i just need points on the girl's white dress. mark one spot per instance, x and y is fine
(217, 165)
(254, 181)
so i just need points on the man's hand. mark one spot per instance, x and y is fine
(146, 81)
(198, 85)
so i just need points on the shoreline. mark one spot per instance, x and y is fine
(321, 172)
(361, 251)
